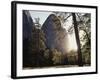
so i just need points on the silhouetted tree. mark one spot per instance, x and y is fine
(80, 63)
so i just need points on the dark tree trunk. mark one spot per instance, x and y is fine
(80, 63)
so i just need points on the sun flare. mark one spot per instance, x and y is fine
(72, 43)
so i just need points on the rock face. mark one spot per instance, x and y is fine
(27, 25)
(27, 37)
(55, 34)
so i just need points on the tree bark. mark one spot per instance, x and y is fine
(80, 63)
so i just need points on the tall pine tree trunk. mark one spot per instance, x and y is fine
(80, 63)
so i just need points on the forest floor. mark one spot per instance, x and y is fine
(63, 66)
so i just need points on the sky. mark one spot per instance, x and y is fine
(42, 15)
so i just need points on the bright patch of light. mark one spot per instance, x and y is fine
(71, 39)
(72, 46)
